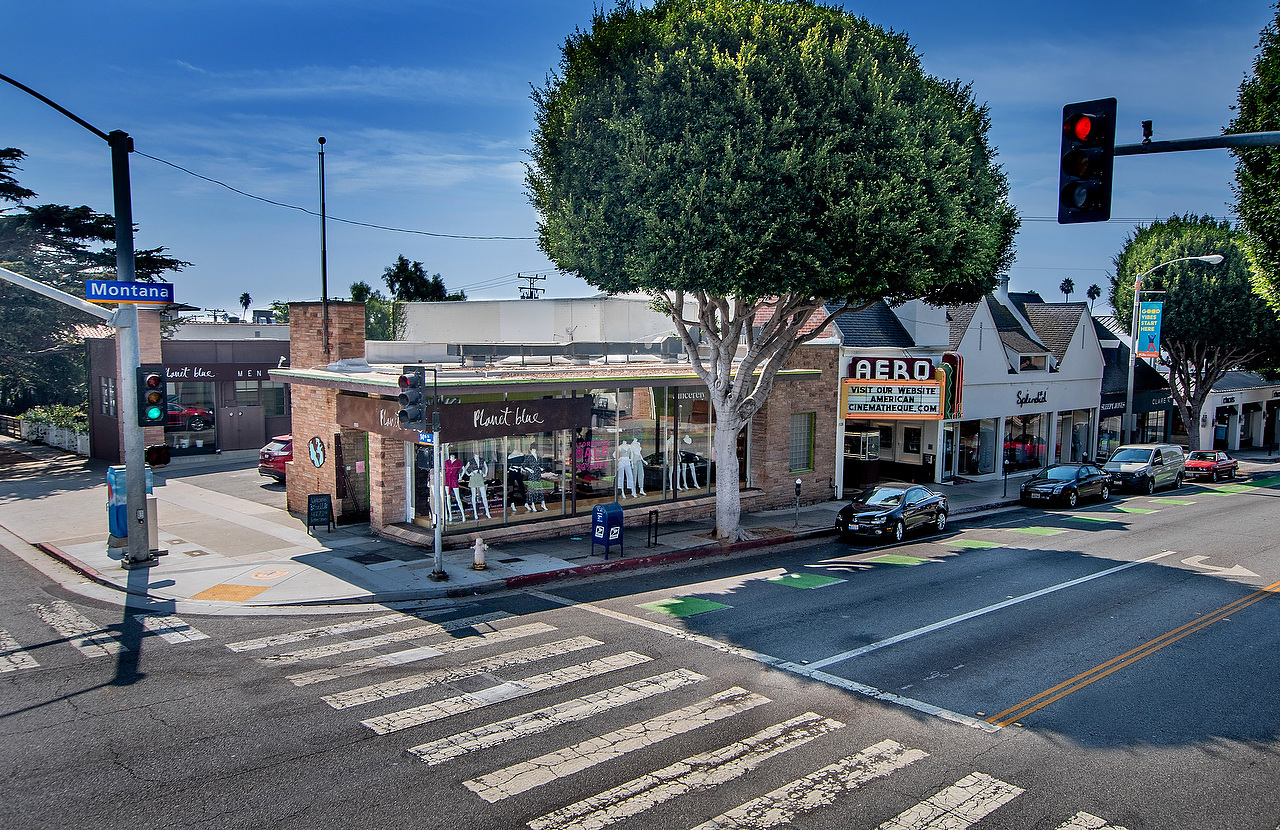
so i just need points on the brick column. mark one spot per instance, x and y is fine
(387, 492)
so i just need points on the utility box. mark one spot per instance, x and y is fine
(606, 527)
(118, 505)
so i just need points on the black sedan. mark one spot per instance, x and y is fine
(890, 510)
(1067, 483)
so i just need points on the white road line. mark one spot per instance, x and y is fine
(89, 638)
(170, 628)
(343, 628)
(1085, 821)
(12, 656)
(570, 711)
(959, 618)
(439, 710)
(317, 652)
(544, 769)
(423, 680)
(778, 663)
(817, 789)
(698, 772)
(958, 806)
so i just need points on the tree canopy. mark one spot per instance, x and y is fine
(1212, 320)
(743, 156)
(383, 317)
(1257, 184)
(408, 283)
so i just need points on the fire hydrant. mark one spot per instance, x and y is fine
(479, 547)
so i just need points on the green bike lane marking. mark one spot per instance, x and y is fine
(1038, 531)
(683, 606)
(804, 580)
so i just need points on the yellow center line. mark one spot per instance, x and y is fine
(1066, 687)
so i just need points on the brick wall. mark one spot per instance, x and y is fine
(771, 432)
(386, 481)
(306, 340)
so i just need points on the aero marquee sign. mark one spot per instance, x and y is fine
(892, 387)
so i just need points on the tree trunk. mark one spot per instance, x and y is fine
(728, 497)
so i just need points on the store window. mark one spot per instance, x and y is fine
(190, 428)
(109, 397)
(1108, 436)
(247, 393)
(1026, 441)
(697, 455)
(802, 429)
(275, 399)
(977, 447)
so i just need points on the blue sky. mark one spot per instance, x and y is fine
(426, 112)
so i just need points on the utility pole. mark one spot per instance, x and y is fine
(530, 291)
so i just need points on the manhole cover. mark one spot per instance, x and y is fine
(274, 573)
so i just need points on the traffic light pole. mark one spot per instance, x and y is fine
(1212, 142)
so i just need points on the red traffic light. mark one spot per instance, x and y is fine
(1081, 127)
(410, 381)
(153, 381)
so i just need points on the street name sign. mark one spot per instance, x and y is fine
(114, 291)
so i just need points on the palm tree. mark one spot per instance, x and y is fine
(1067, 287)
(1093, 294)
(245, 299)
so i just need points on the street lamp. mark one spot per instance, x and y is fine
(1130, 417)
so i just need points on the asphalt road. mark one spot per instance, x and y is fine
(1100, 667)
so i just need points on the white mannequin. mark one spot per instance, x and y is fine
(637, 464)
(476, 471)
(626, 473)
(690, 467)
(453, 493)
(669, 460)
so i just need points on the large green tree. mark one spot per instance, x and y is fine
(383, 317)
(1257, 184)
(408, 283)
(740, 157)
(41, 347)
(1212, 320)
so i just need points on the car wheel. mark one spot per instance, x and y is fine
(1073, 498)
(1215, 475)
(941, 520)
(1106, 492)
(196, 424)
(898, 531)
(1177, 481)
(1233, 472)
(1151, 485)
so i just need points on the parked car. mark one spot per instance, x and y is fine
(1211, 464)
(1144, 467)
(891, 510)
(188, 417)
(273, 457)
(1067, 483)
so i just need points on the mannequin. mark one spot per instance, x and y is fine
(637, 464)
(669, 462)
(626, 473)
(535, 497)
(688, 466)
(476, 471)
(452, 492)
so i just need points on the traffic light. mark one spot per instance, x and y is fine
(413, 398)
(1088, 155)
(157, 455)
(153, 396)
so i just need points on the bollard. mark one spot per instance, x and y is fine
(480, 547)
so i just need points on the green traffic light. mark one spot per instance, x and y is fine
(153, 413)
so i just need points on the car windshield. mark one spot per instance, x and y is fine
(275, 446)
(1058, 474)
(1131, 456)
(882, 496)
(1204, 456)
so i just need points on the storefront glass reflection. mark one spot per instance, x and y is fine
(190, 427)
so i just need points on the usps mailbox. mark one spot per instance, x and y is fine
(606, 527)
(117, 503)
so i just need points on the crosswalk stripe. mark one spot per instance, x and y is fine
(170, 628)
(89, 638)
(817, 789)
(698, 772)
(958, 806)
(344, 628)
(12, 656)
(1085, 821)
(544, 769)
(570, 711)
(439, 710)
(413, 655)
(378, 640)
(414, 682)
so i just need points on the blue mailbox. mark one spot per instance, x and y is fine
(117, 501)
(606, 527)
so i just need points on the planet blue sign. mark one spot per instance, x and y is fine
(112, 291)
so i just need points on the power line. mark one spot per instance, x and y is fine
(330, 218)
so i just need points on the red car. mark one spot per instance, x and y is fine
(273, 457)
(1211, 464)
(189, 417)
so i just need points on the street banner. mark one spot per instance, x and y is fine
(113, 291)
(1149, 329)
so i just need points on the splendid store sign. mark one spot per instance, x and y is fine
(895, 399)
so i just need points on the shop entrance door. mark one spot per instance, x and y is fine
(241, 428)
(948, 452)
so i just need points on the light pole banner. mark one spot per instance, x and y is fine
(1149, 329)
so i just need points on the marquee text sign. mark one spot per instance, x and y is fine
(468, 422)
(891, 368)
(895, 399)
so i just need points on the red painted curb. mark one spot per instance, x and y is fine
(76, 565)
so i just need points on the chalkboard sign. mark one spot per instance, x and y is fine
(320, 511)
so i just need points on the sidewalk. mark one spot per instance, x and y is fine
(232, 552)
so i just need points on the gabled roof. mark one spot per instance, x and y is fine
(1011, 332)
(872, 327)
(1055, 323)
(1236, 381)
(959, 316)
